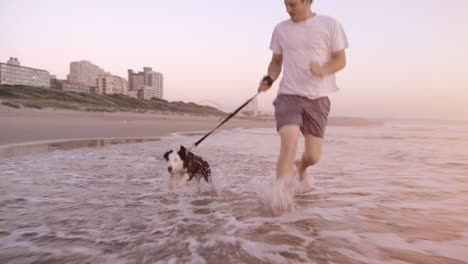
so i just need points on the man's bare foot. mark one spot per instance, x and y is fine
(304, 186)
(281, 199)
(301, 172)
(287, 184)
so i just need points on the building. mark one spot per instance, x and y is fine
(251, 109)
(146, 93)
(136, 81)
(111, 84)
(65, 85)
(148, 84)
(13, 73)
(133, 94)
(77, 88)
(56, 83)
(86, 77)
(84, 73)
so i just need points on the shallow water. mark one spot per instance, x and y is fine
(51, 146)
(390, 194)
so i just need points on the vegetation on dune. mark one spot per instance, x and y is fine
(38, 98)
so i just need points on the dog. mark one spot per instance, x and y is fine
(183, 166)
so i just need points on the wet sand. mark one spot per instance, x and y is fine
(27, 125)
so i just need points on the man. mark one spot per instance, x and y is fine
(311, 48)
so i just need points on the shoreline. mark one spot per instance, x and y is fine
(31, 126)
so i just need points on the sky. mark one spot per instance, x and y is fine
(407, 58)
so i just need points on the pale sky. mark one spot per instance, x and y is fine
(407, 58)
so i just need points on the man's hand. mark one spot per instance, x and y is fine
(317, 70)
(265, 84)
(337, 62)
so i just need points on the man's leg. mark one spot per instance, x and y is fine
(285, 166)
(315, 117)
(310, 157)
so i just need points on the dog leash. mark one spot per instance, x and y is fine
(224, 121)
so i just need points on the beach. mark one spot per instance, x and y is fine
(389, 194)
(30, 125)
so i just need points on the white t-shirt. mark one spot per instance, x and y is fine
(312, 40)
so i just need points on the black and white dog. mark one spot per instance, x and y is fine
(183, 166)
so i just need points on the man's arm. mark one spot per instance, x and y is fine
(336, 63)
(274, 70)
(275, 67)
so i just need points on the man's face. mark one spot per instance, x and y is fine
(297, 9)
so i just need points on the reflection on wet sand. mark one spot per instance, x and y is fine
(38, 148)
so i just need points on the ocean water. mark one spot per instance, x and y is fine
(393, 194)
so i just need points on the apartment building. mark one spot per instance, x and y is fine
(13, 73)
(147, 84)
(84, 73)
(111, 84)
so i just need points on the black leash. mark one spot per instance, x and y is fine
(224, 121)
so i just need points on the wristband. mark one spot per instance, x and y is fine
(268, 80)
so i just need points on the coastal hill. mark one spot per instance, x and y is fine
(18, 96)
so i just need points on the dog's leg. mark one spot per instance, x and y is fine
(198, 184)
(207, 178)
(210, 182)
(183, 181)
(170, 183)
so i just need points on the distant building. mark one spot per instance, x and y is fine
(251, 109)
(111, 84)
(136, 81)
(133, 94)
(147, 93)
(13, 61)
(56, 83)
(147, 84)
(14, 74)
(65, 85)
(77, 88)
(84, 73)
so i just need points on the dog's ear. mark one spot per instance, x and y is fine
(182, 152)
(166, 155)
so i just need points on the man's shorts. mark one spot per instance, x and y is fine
(311, 115)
